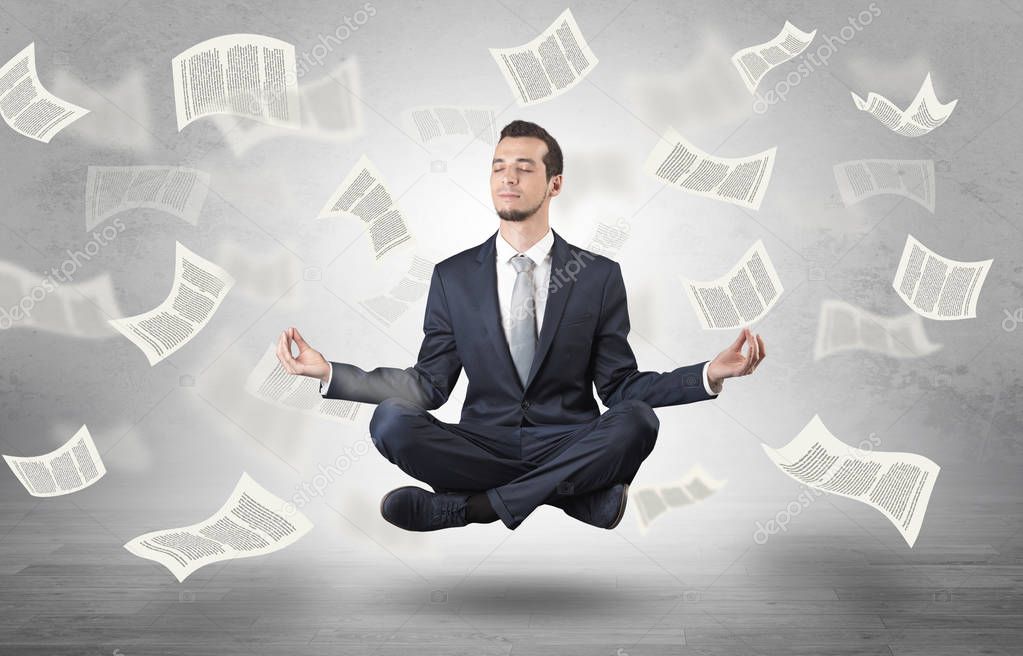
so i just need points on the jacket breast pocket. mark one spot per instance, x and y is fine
(579, 318)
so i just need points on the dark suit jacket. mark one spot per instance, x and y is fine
(583, 341)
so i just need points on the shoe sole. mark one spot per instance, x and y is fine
(384, 500)
(621, 508)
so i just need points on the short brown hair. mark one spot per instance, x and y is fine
(552, 161)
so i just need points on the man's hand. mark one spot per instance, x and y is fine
(309, 361)
(731, 362)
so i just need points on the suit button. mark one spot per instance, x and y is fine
(525, 405)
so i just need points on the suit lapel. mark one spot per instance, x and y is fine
(558, 290)
(485, 281)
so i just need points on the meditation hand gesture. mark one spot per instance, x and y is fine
(732, 363)
(309, 361)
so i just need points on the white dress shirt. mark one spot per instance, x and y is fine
(540, 253)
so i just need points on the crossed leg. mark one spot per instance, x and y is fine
(575, 459)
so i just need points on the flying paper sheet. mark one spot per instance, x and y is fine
(549, 65)
(865, 178)
(253, 522)
(78, 309)
(429, 123)
(26, 106)
(754, 62)
(270, 382)
(922, 115)
(662, 98)
(602, 180)
(608, 239)
(652, 501)
(845, 327)
(364, 194)
(74, 466)
(937, 287)
(329, 108)
(897, 484)
(260, 275)
(199, 288)
(173, 189)
(388, 308)
(740, 180)
(245, 75)
(107, 128)
(739, 297)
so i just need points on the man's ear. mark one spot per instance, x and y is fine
(555, 184)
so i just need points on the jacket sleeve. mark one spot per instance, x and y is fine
(615, 373)
(428, 383)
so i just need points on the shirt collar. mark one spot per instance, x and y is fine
(537, 252)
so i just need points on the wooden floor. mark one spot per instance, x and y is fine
(838, 580)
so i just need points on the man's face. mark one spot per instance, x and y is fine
(518, 178)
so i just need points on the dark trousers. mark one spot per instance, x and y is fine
(519, 467)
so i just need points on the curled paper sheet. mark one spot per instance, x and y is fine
(754, 62)
(363, 194)
(741, 296)
(74, 466)
(245, 75)
(652, 501)
(177, 190)
(845, 327)
(937, 287)
(739, 180)
(252, 522)
(896, 484)
(865, 178)
(26, 106)
(270, 382)
(198, 290)
(924, 114)
(549, 65)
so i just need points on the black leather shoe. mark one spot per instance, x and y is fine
(602, 508)
(416, 509)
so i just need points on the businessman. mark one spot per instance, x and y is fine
(535, 322)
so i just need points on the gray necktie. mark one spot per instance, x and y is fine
(522, 321)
